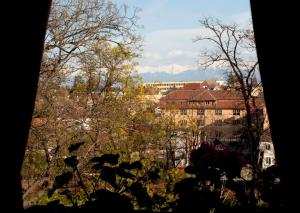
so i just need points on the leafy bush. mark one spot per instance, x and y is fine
(211, 183)
(112, 183)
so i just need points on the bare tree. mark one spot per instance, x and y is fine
(234, 49)
(80, 35)
(75, 26)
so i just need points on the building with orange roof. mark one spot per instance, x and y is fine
(218, 113)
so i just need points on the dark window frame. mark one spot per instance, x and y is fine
(218, 111)
(200, 111)
(183, 111)
(236, 112)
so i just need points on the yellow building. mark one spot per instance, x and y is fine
(218, 113)
(163, 87)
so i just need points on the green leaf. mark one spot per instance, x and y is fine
(125, 165)
(108, 174)
(122, 173)
(74, 147)
(141, 194)
(59, 181)
(71, 161)
(106, 158)
(137, 165)
(96, 159)
(98, 166)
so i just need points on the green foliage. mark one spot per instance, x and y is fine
(108, 174)
(126, 180)
(141, 194)
(106, 158)
(71, 161)
(136, 165)
(33, 164)
(154, 175)
(60, 181)
(45, 199)
(74, 147)
(125, 186)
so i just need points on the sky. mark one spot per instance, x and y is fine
(170, 26)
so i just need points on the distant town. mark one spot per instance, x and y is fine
(213, 107)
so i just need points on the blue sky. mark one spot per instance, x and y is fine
(169, 27)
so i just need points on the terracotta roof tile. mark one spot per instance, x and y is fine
(202, 94)
(206, 95)
(192, 99)
(230, 104)
(226, 94)
(181, 95)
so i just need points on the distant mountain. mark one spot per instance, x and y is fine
(189, 75)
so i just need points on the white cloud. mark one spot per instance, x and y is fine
(180, 53)
(152, 56)
(174, 50)
(171, 39)
(171, 68)
(174, 53)
(157, 57)
(172, 46)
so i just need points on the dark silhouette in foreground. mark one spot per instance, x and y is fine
(220, 181)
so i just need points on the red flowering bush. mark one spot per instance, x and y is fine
(208, 159)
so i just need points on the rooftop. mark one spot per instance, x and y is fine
(194, 96)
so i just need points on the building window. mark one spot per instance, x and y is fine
(236, 122)
(206, 102)
(267, 146)
(268, 160)
(183, 112)
(236, 112)
(218, 112)
(218, 122)
(183, 122)
(201, 122)
(200, 111)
